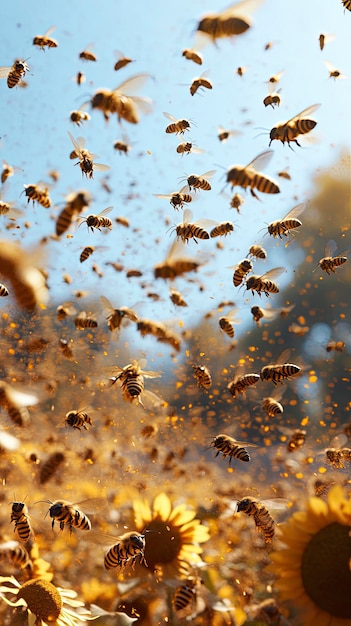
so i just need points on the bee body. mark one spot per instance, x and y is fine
(192, 55)
(278, 373)
(241, 383)
(116, 316)
(19, 515)
(222, 229)
(236, 202)
(98, 221)
(347, 4)
(203, 376)
(248, 177)
(121, 146)
(3, 291)
(272, 407)
(258, 252)
(44, 41)
(16, 554)
(226, 325)
(176, 263)
(185, 596)
(177, 126)
(78, 419)
(16, 73)
(67, 514)
(297, 439)
(264, 284)
(338, 346)
(188, 231)
(50, 467)
(86, 253)
(264, 521)
(200, 182)
(233, 21)
(126, 107)
(87, 55)
(241, 270)
(130, 547)
(131, 377)
(177, 298)
(75, 203)
(38, 194)
(83, 321)
(273, 99)
(328, 264)
(287, 132)
(230, 447)
(198, 83)
(288, 223)
(78, 117)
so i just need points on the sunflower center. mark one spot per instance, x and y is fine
(42, 599)
(163, 543)
(325, 570)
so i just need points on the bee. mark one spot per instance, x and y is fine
(257, 251)
(241, 383)
(128, 549)
(50, 467)
(236, 202)
(121, 146)
(300, 124)
(132, 377)
(75, 203)
(177, 126)
(226, 322)
(258, 313)
(231, 447)
(177, 298)
(115, 317)
(339, 346)
(323, 39)
(234, 20)
(333, 72)
(185, 597)
(241, 70)
(224, 134)
(203, 376)
(199, 182)
(178, 198)
(64, 310)
(264, 284)
(273, 99)
(44, 41)
(86, 159)
(265, 523)
(83, 321)
(246, 176)
(7, 171)
(278, 372)
(15, 553)
(176, 263)
(121, 62)
(14, 73)
(98, 221)
(79, 116)
(272, 406)
(88, 55)
(187, 230)
(38, 194)
(287, 223)
(71, 515)
(337, 453)
(296, 438)
(192, 55)
(16, 402)
(80, 78)
(284, 174)
(200, 82)
(268, 612)
(3, 291)
(186, 147)
(86, 253)
(222, 229)
(127, 107)
(240, 271)
(329, 263)
(275, 78)
(78, 419)
(347, 4)
(66, 348)
(20, 516)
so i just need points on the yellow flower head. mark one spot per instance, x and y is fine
(172, 535)
(314, 563)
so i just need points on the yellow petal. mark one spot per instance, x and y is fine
(317, 506)
(162, 506)
(142, 512)
(181, 515)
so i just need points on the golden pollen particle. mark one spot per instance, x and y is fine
(42, 599)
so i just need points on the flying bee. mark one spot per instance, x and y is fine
(339, 346)
(240, 271)
(121, 146)
(79, 419)
(64, 310)
(115, 317)
(75, 203)
(16, 402)
(234, 20)
(128, 549)
(264, 284)
(192, 55)
(176, 263)
(272, 406)
(15, 73)
(229, 446)
(333, 72)
(120, 101)
(177, 126)
(177, 298)
(222, 229)
(246, 176)
(131, 377)
(86, 253)
(88, 55)
(3, 291)
(178, 198)
(241, 383)
(224, 134)
(7, 171)
(329, 263)
(71, 515)
(65, 348)
(84, 321)
(122, 61)
(226, 323)
(200, 182)
(275, 78)
(38, 194)
(347, 4)
(16, 554)
(80, 78)
(203, 376)
(200, 82)
(86, 159)
(185, 599)
(295, 438)
(257, 251)
(300, 124)
(20, 516)
(187, 230)
(264, 522)
(44, 41)
(273, 99)
(258, 313)
(279, 372)
(50, 467)
(186, 147)
(323, 39)
(287, 223)
(337, 454)
(97, 221)
(79, 116)
(236, 202)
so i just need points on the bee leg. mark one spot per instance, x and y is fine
(62, 525)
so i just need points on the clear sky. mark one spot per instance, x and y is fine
(34, 124)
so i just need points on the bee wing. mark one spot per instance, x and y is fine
(246, 444)
(338, 441)
(274, 273)
(21, 398)
(101, 167)
(305, 113)
(144, 104)
(107, 306)
(296, 211)
(284, 356)
(78, 143)
(132, 84)
(4, 71)
(330, 248)
(261, 160)
(150, 374)
(196, 150)
(245, 8)
(49, 31)
(165, 196)
(208, 174)
(91, 505)
(270, 314)
(105, 211)
(167, 115)
(187, 216)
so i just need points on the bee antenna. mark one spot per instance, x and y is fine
(260, 135)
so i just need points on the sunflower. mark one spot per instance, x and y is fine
(313, 564)
(172, 535)
(45, 602)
